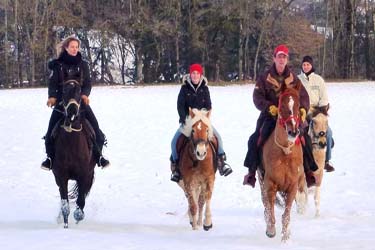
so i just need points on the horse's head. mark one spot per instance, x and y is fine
(71, 98)
(288, 111)
(198, 128)
(318, 130)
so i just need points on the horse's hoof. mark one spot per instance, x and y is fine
(270, 234)
(206, 228)
(66, 225)
(79, 215)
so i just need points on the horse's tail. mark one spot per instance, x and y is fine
(73, 192)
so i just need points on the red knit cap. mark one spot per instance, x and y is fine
(196, 67)
(281, 49)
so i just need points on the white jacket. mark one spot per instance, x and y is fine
(316, 88)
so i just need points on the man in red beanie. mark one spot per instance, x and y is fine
(194, 93)
(265, 97)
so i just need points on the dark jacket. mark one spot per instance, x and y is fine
(192, 96)
(67, 67)
(268, 88)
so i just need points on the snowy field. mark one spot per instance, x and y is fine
(134, 205)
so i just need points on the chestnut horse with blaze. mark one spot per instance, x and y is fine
(197, 167)
(283, 162)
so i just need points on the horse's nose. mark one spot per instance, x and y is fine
(292, 133)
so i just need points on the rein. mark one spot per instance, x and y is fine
(287, 150)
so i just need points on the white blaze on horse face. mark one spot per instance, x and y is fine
(201, 151)
(290, 105)
(200, 125)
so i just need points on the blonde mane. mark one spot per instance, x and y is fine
(199, 115)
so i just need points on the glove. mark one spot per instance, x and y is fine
(273, 110)
(302, 113)
(85, 99)
(51, 102)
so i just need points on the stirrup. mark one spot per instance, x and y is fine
(46, 164)
(225, 170)
(176, 176)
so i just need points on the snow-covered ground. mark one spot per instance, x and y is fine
(134, 205)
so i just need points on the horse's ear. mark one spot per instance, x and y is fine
(209, 114)
(191, 114)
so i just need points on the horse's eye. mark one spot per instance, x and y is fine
(192, 131)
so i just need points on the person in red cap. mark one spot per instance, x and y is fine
(265, 97)
(194, 93)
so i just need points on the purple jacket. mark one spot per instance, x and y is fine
(268, 87)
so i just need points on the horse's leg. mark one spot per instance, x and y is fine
(317, 201)
(207, 225)
(192, 202)
(290, 196)
(65, 210)
(201, 202)
(301, 196)
(269, 212)
(81, 200)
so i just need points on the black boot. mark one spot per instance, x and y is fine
(176, 175)
(98, 147)
(47, 164)
(222, 166)
(308, 158)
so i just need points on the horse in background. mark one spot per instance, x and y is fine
(74, 159)
(318, 126)
(282, 162)
(197, 167)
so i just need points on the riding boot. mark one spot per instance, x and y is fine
(328, 167)
(47, 163)
(251, 160)
(308, 158)
(176, 175)
(101, 161)
(222, 166)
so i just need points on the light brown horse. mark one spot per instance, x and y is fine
(283, 163)
(318, 133)
(197, 167)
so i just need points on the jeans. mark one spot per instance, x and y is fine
(177, 135)
(329, 144)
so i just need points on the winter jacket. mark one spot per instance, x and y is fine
(268, 87)
(192, 96)
(316, 88)
(67, 67)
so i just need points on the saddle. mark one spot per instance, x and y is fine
(86, 127)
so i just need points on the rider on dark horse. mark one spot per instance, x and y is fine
(69, 65)
(194, 93)
(265, 97)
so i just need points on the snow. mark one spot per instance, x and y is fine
(134, 205)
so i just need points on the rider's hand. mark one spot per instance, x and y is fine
(273, 110)
(302, 113)
(85, 99)
(51, 102)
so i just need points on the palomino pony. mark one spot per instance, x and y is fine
(317, 132)
(73, 159)
(283, 163)
(197, 167)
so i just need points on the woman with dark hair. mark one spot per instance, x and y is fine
(69, 65)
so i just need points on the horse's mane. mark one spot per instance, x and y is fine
(198, 115)
(317, 110)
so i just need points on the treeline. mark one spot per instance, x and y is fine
(147, 41)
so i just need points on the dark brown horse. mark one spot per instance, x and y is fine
(197, 167)
(73, 159)
(283, 162)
